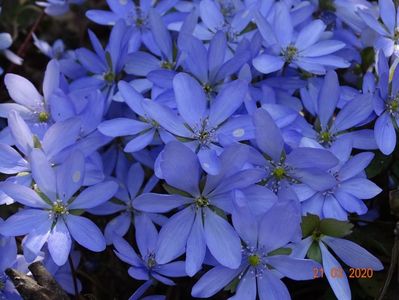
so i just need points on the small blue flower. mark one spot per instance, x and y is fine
(52, 211)
(198, 226)
(147, 266)
(260, 271)
(306, 50)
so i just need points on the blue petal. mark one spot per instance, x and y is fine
(222, 241)
(246, 288)
(339, 284)
(94, 195)
(270, 287)
(310, 34)
(59, 243)
(268, 135)
(161, 34)
(190, 99)
(178, 159)
(361, 188)
(273, 233)
(211, 15)
(282, 24)
(352, 254)
(328, 98)
(213, 281)
(122, 127)
(23, 222)
(209, 161)
(196, 247)
(385, 134)
(43, 174)
(140, 141)
(85, 233)
(23, 195)
(355, 165)
(177, 229)
(388, 14)
(294, 268)
(228, 100)
(21, 133)
(266, 63)
(311, 158)
(70, 175)
(146, 234)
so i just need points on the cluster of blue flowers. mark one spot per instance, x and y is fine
(217, 129)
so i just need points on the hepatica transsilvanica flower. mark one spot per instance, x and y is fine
(207, 130)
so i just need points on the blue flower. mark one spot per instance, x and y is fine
(31, 105)
(262, 264)
(198, 225)
(147, 266)
(205, 130)
(348, 252)
(52, 212)
(281, 169)
(306, 50)
(386, 106)
(144, 130)
(350, 189)
(104, 66)
(329, 126)
(385, 25)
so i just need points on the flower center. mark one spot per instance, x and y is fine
(58, 209)
(393, 106)
(109, 77)
(167, 65)
(201, 201)
(279, 173)
(290, 53)
(151, 262)
(43, 117)
(254, 260)
(207, 88)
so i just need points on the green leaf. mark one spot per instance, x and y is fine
(232, 286)
(309, 224)
(335, 228)
(314, 252)
(77, 212)
(280, 251)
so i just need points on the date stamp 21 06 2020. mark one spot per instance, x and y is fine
(338, 272)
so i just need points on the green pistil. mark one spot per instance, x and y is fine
(59, 209)
(394, 106)
(139, 22)
(396, 34)
(151, 262)
(202, 202)
(109, 77)
(325, 137)
(207, 88)
(279, 173)
(254, 260)
(290, 53)
(316, 235)
(167, 65)
(43, 117)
